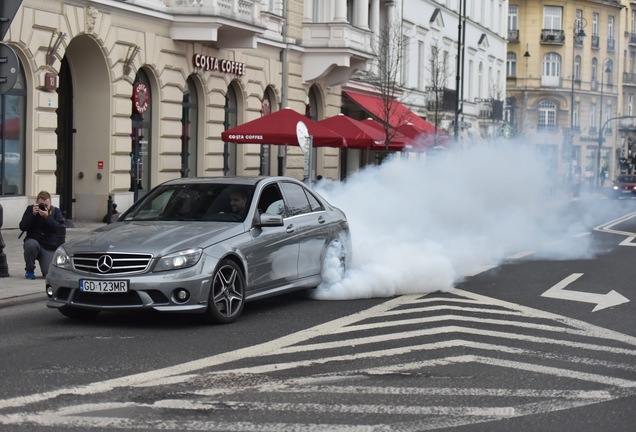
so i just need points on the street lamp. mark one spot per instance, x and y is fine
(578, 33)
(606, 69)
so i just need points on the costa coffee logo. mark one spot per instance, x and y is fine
(140, 97)
(219, 65)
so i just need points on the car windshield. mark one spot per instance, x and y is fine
(194, 202)
(626, 179)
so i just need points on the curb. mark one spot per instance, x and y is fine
(22, 299)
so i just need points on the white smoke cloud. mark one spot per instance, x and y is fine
(422, 224)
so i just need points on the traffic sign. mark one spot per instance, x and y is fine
(9, 68)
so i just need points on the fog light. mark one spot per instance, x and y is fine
(181, 295)
(49, 291)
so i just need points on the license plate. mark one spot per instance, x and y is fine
(104, 286)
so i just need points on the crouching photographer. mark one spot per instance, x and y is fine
(45, 231)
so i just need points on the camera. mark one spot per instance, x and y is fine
(41, 206)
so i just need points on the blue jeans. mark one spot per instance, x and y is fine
(32, 252)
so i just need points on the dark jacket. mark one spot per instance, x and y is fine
(50, 232)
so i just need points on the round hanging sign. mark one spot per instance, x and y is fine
(140, 97)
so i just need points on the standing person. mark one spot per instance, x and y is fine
(45, 231)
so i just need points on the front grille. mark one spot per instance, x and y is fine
(121, 262)
(131, 298)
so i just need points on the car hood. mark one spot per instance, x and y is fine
(157, 238)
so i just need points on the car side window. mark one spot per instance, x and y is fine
(271, 201)
(313, 201)
(295, 199)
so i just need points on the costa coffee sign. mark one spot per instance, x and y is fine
(218, 65)
(140, 97)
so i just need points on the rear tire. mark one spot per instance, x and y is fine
(77, 313)
(227, 293)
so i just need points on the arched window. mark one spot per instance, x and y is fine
(230, 121)
(189, 120)
(547, 115)
(511, 65)
(12, 139)
(609, 68)
(266, 149)
(551, 65)
(142, 140)
(577, 68)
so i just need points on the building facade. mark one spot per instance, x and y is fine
(116, 97)
(435, 59)
(565, 70)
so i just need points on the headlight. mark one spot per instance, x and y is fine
(615, 187)
(179, 260)
(61, 259)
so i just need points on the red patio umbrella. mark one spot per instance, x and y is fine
(280, 128)
(398, 141)
(357, 134)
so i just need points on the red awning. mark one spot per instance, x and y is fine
(400, 114)
(357, 134)
(280, 128)
(398, 141)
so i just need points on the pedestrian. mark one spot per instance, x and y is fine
(602, 177)
(45, 231)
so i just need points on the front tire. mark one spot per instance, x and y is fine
(227, 293)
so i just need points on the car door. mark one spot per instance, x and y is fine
(312, 227)
(273, 254)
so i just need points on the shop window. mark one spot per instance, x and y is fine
(12, 139)
(189, 120)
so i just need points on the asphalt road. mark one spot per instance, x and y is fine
(495, 354)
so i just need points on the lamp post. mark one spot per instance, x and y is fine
(605, 69)
(578, 33)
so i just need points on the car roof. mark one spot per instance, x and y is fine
(235, 180)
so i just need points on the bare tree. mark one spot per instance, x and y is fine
(385, 75)
(438, 93)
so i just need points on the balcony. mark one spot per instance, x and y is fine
(491, 109)
(550, 81)
(629, 78)
(552, 37)
(513, 35)
(611, 44)
(596, 42)
(632, 38)
(334, 51)
(441, 100)
(220, 23)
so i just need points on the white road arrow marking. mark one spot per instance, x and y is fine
(602, 301)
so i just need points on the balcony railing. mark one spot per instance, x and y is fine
(549, 36)
(629, 77)
(611, 44)
(513, 35)
(596, 41)
(632, 38)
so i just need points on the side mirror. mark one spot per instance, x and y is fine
(269, 219)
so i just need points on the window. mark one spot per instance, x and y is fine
(552, 18)
(595, 20)
(630, 104)
(12, 139)
(609, 67)
(189, 120)
(576, 122)
(610, 27)
(551, 65)
(592, 117)
(577, 68)
(547, 115)
(594, 69)
(295, 198)
(513, 17)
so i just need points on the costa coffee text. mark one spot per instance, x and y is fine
(220, 65)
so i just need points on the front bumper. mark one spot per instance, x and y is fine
(145, 291)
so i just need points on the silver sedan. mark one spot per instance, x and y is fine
(202, 245)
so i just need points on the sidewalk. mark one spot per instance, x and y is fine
(16, 289)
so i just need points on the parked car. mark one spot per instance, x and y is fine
(186, 247)
(624, 186)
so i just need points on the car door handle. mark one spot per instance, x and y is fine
(321, 219)
(290, 229)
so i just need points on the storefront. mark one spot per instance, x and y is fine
(112, 101)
